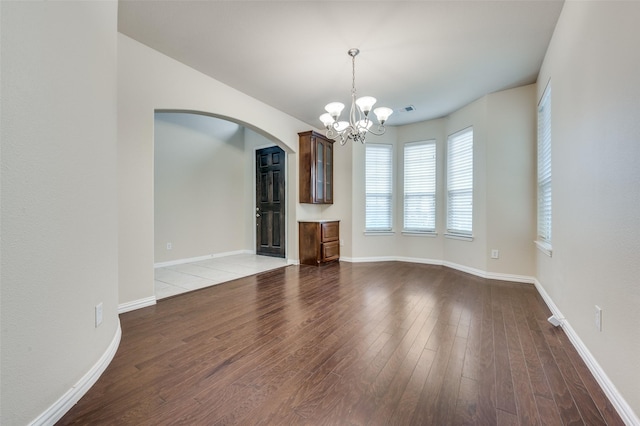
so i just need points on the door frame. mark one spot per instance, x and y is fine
(286, 203)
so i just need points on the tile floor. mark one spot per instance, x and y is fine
(176, 279)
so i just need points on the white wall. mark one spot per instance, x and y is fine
(410, 246)
(370, 247)
(342, 197)
(199, 186)
(594, 69)
(149, 81)
(59, 213)
(472, 254)
(511, 174)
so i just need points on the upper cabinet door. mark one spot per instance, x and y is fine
(316, 168)
(320, 171)
(328, 159)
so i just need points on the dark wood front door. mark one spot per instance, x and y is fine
(270, 205)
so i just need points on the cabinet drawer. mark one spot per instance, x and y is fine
(330, 231)
(330, 251)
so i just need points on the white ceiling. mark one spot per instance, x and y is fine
(435, 55)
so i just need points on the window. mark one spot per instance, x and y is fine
(460, 183)
(378, 187)
(544, 172)
(420, 186)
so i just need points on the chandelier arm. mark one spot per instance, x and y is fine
(381, 130)
(332, 131)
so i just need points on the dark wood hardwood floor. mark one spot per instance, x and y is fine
(347, 344)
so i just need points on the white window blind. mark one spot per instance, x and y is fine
(460, 183)
(379, 183)
(544, 167)
(420, 186)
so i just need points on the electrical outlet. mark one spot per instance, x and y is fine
(341, 242)
(598, 318)
(98, 314)
(495, 254)
(169, 246)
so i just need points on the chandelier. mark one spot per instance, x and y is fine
(359, 121)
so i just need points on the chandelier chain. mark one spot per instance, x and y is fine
(353, 75)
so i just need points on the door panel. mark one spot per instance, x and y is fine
(270, 202)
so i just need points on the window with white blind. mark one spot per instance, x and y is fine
(544, 172)
(420, 186)
(460, 183)
(378, 187)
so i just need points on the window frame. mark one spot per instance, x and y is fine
(544, 176)
(430, 170)
(464, 175)
(381, 195)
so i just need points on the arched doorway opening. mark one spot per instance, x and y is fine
(205, 201)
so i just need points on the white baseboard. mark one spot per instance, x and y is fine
(136, 304)
(550, 304)
(510, 277)
(200, 258)
(468, 269)
(491, 275)
(458, 267)
(420, 260)
(620, 404)
(73, 395)
(369, 259)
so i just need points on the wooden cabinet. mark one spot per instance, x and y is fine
(319, 242)
(316, 168)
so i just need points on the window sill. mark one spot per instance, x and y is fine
(544, 247)
(379, 233)
(420, 233)
(459, 237)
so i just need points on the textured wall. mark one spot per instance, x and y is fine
(59, 212)
(199, 186)
(149, 81)
(594, 70)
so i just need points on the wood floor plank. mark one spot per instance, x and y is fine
(409, 400)
(506, 418)
(537, 377)
(350, 387)
(386, 343)
(427, 405)
(471, 366)
(486, 409)
(466, 402)
(568, 410)
(548, 410)
(448, 396)
(524, 397)
(391, 382)
(505, 396)
(587, 407)
(605, 407)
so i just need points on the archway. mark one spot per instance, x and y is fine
(204, 200)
